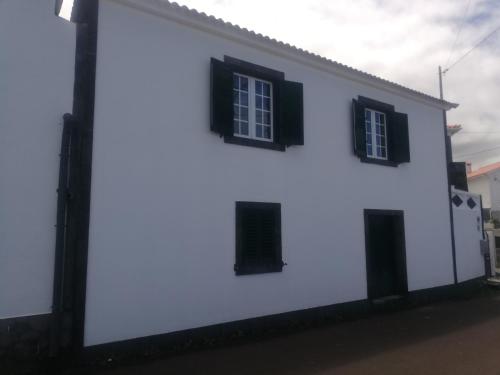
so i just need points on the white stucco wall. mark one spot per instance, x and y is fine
(164, 187)
(36, 89)
(481, 185)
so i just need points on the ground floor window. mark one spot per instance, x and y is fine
(258, 238)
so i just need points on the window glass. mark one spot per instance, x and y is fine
(252, 100)
(376, 139)
(263, 109)
(240, 105)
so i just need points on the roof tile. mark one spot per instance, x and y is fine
(484, 170)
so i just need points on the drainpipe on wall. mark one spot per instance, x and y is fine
(70, 275)
(60, 261)
(449, 160)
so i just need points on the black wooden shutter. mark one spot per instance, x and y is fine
(221, 98)
(271, 236)
(359, 128)
(251, 233)
(458, 175)
(291, 116)
(258, 238)
(398, 137)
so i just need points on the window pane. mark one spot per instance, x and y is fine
(267, 89)
(382, 118)
(244, 83)
(244, 128)
(383, 153)
(244, 113)
(258, 101)
(267, 104)
(368, 126)
(267, 118)
(258, 131)
(258, 87)
(244, 98)
(267, 132)
(258, 116)
(260, 104)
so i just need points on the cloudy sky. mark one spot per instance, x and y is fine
(403, 41)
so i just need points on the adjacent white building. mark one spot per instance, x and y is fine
(486, 181)
(36, 87)
(232, 176)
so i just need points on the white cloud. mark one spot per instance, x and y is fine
(403, 41)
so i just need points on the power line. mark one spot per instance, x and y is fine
(469, 51)
(458, 33)
(477, 152)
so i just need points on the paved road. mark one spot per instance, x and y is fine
(456, 337)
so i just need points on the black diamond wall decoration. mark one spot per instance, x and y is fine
(457, 201)
(471, 203)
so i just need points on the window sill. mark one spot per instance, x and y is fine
(387, 163)
(254, 143)
(254, 270)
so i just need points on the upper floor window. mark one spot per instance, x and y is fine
(380, 133)
(376, 134)
(253, 112)
(252, 105)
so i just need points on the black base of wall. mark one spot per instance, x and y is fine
(233, 333)
(24, 337)
(27, 338)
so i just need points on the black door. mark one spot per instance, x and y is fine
(385, 253)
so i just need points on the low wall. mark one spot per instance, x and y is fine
(468, 231)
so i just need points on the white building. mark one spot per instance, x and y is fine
(486, 181)
(215, 176)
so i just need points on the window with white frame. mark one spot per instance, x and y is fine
(376, 134)
(252, 108)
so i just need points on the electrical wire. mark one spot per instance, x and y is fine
(469, 51)
(458, 33)
(477, 152)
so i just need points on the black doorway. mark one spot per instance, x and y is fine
(385, 253)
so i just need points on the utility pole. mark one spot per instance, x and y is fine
(440, 83)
